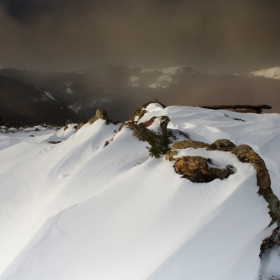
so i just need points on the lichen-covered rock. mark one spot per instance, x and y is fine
(223, 145)
(246, 154)
(191, 144)
(197, 169)
(99, 115)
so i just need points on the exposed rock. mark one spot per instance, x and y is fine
(67, 123)
(149, 122)
(223, 145)
(246, 154)
(54, 142)
(197, 169)
(79, 125)
(159, 144)
(270, 242)
(170, 155)
(191, 144)
(164, 120)
(99, 115)
(140, 112)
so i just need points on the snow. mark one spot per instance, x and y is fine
(49, 95)
(79, 210)
(272, 73)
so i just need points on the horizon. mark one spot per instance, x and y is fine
(215, 38)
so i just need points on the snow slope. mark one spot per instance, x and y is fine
(79, 210)
(272, 73)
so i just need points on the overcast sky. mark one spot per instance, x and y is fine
(211, 36)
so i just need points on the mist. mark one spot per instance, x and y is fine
(214, 37)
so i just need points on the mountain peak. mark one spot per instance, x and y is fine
(272, 73)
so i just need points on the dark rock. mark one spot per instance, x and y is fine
(223, 145)
(197, 169)
(246, 154)
(54, 142)
(164, 120)
(2, 122)
(270, 242)
(191, 144)
(99, 115)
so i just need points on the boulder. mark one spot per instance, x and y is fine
(197, 169)
(223, 145)
(140, 112)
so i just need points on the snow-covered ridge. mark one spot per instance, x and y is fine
(73, 208)
(272, 73)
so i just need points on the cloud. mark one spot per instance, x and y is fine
(210, 36)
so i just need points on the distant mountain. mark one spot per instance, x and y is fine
(272, 73)
(119, 89)
(23, 104)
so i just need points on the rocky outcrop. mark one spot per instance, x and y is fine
(79, 125)
(99, 115)
(246, 154)
(140, 112)
(273, 241)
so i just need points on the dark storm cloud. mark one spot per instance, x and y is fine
(210, 36)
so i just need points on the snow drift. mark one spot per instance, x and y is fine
(81, 209)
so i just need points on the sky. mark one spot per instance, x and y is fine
(211, 36)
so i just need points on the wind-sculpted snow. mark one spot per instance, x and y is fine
(81, 209)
